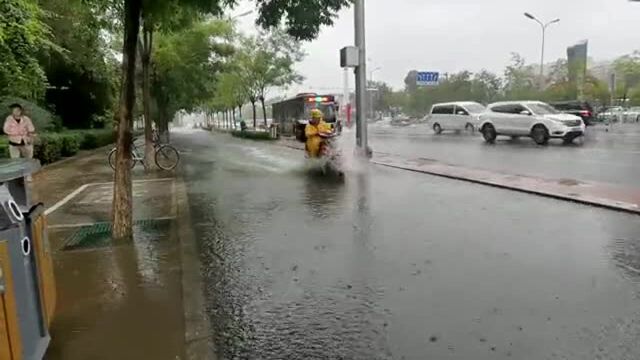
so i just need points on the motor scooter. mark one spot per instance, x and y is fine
(330, 155)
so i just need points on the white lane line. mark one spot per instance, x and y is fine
(57, 205)
(70, 226)
(80, 189)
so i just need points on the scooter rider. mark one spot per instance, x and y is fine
(314, 131)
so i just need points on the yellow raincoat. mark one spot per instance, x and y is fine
(312, 132)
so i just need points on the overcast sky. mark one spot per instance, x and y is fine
(453, 35)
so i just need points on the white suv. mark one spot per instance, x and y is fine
(535, 119)
(455, 116)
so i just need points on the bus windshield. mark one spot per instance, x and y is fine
(328, 110)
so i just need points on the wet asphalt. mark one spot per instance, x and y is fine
(397, 265)
(602, 156)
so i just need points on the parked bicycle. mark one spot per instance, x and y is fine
(166, 156)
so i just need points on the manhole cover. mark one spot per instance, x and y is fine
(98, 235)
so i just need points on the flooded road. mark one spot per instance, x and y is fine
(608, 157)
(396, 265)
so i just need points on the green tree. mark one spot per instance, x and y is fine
(627, 70)
(410, 81)
(560, 87)
(301, 19)
(232, 92)
(382, 97)
(486, 87)
(519, 80)
(563, 87)
(81, 71)
(245, 66)
(596, 90)
(179, 84)
(23, 35)
(273, 57)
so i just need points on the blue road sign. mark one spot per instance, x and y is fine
(427, 78)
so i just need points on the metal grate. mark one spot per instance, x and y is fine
(98, 235)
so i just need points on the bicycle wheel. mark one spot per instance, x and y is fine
(112, 160)
(167, 157)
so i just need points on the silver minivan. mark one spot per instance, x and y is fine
(455, 116)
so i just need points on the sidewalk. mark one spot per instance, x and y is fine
(608, 196)
(126, 301)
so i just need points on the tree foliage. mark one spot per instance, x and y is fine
(82, 72)
(186, 65)
(23, 35)
(520, 80)
(301, 19)
(274, 56)
(627, 69)
(270, 60)
(258, 64)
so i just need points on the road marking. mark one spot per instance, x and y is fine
(80, 189)
(57, 205)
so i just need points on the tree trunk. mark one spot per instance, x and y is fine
(234, 118)
(253, 105)
(122, 192)
(240, 111)
(264, 111)
(163, 119)
(145, 56)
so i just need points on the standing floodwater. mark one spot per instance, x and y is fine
(397, 265)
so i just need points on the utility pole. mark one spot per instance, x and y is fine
(361, 79)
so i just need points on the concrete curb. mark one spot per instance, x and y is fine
(609, 204)
(198, 341)
(601, 203)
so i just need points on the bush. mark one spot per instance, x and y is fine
(92, 139)
(48, 148)
(4, 148)
(70, 144)
(51, 147)
(253, 135)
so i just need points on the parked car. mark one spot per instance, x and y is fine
(632, 115)
(579, 108)
(535, 119)
(455, 116)
(612, 114)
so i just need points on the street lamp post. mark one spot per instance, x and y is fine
(544, 27)
(373, 71)
(361, 79)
